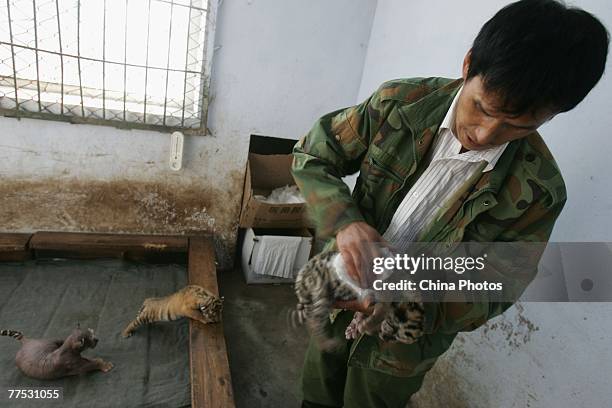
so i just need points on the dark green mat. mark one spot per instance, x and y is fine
(48, 298)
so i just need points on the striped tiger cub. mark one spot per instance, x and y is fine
(192, 301)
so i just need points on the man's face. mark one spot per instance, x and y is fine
(480, 124)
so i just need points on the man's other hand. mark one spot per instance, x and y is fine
(365, 306)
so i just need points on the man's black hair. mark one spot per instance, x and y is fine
(536, 54)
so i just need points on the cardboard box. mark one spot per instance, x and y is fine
(269, 167)
(265, 247)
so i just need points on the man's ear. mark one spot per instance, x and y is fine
(466, 64)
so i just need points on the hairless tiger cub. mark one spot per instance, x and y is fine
(45, 359)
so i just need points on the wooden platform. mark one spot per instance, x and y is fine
(211, 384)
(14, 247)
(151, 248)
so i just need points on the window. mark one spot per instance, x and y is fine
(129, 63)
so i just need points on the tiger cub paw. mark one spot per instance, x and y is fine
(127, 333)
(105, 366)
(352, 330)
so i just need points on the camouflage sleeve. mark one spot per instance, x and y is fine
(332, 149)
(535, 225)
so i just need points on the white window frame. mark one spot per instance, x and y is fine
(92, 104)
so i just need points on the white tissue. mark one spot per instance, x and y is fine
(283, 195)
(277, 255)
(343, 276)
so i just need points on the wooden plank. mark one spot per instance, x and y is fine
(123, 242)
(91, 245)
(211, 384)
(14, 247)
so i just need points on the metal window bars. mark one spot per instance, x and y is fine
(128, 63)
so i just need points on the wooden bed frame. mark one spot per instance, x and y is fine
(211, 384)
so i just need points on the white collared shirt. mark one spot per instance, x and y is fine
(447, 171)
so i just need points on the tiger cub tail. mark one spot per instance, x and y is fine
(17, 335)
(152, 310)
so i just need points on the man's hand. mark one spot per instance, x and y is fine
(358, 243)
(365, 306)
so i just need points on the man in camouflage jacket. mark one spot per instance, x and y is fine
(386, 139)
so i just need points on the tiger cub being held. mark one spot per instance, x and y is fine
(192, 301)
(318, 286)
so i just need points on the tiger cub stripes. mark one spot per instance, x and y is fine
(17, 335)
(192, 301)
(318, 287)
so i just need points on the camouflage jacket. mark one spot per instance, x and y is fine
(385, 139)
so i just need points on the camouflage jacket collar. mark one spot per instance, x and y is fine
(424, 117)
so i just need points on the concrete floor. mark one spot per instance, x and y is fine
(265, 353)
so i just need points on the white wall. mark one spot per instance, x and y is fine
(536, 355)
(278, 66)
(283, 63)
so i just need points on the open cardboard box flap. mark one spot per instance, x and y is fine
(264, 173)
(270, 171)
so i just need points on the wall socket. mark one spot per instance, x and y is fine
(176, 150)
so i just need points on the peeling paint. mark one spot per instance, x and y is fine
(517, 330)
(446, 385)
(124, 206)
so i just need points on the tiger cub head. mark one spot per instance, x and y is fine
(81, 339)
(211, 306)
